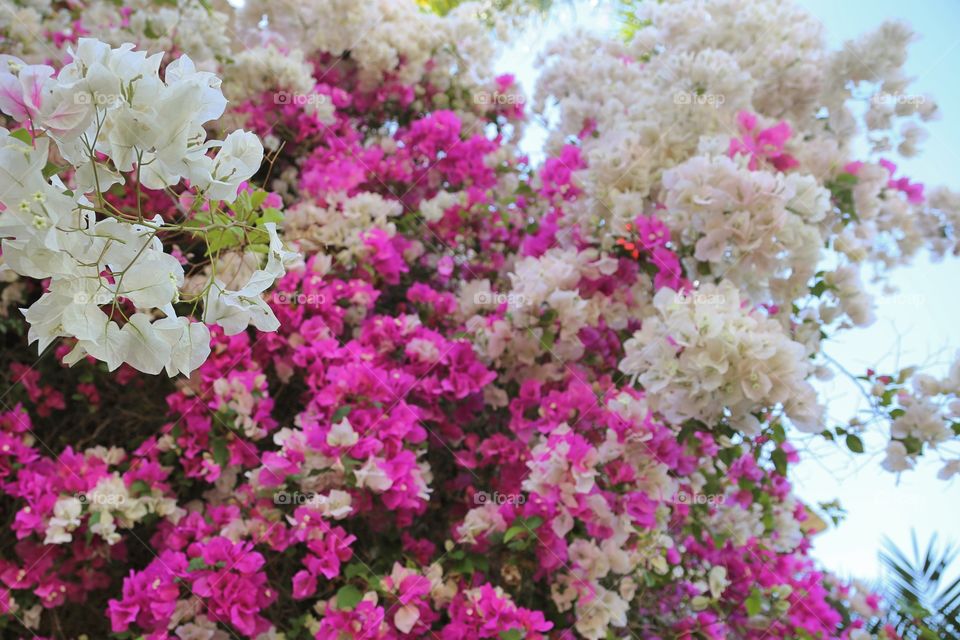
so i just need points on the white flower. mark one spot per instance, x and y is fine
(479, 521)
(949, 470)
(605, 609)
(237, 160)
(371, 475)
(405, 617)
(717, 581)
(234, 310)
(66, 518)
(152, 280)
(336, 505)
(22, 88)
(342, 434)
(897, 458)
(189, 344)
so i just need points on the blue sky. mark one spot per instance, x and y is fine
(919, 326)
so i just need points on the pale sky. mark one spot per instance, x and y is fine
(919, 326)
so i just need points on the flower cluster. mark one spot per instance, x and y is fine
(494, 399)
(115, 122)
(707, 356)
(922, 412)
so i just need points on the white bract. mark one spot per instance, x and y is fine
(706, 355)
(112, 285)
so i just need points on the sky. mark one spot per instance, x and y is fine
(919, 325)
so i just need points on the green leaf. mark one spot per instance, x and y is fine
(51, 170)
(139, 488)
(220, 239)
(341, 413)
(728, 455)
(349, 463)
(513, 532)
(353, 570)
(846, 179)
(481, 563)
(512, 634)
(197, 564)
(257, 198)
(347, 597)
(549, 337)
(270, 215)
(854, 443)
(221, 454)
(887, 397)
(754, 603)
(150, 32)
(779, 434)
(913, 444)
(23, 136)
(779, 458)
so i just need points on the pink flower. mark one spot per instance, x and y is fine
(21, 93)
(765, 144)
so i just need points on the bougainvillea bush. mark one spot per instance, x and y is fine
(299, 344)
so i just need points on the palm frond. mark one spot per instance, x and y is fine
(921, 606)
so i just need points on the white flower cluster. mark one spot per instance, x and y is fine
(24, 25)
(854, 302)
(871, 68)
(754, 228)
(778, 44)
(288, 74)
(192, 27)
(338, 228)
(675, 88)
(926, 416)
(384, 37)
(109, 114)
(706, 356)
